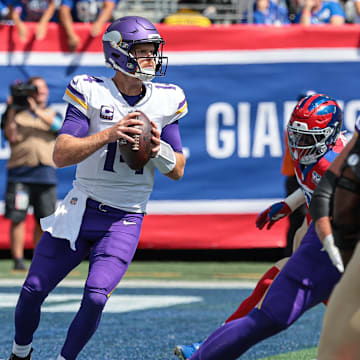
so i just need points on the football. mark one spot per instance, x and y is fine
(138, 154)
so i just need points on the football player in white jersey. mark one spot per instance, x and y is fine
(101, 216)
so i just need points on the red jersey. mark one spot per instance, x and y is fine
(308, 176)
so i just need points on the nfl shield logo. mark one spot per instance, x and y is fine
(73, 201)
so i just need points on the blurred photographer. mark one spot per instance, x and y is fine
(30, 126)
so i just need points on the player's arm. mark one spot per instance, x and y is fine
(280, 209)
(73, 145)
(321, 199)
(178, 172)
(167, 152)
(320, 205)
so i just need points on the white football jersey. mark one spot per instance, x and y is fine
(103, 176)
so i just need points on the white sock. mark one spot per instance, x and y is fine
(60, 358)
(21, 350)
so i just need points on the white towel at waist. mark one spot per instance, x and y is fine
(65, 222)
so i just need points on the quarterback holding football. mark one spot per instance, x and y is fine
(101, 216)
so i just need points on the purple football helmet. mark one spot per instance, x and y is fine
(122, 35)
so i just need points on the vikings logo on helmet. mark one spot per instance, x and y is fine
(314, 127)
(120, 38)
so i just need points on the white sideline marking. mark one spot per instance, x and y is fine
(115, 304)
(146, 284)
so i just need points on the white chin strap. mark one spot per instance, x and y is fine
(143, 74)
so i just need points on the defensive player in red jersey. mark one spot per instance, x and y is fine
(308, 277)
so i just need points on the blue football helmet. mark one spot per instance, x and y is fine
(120, 38)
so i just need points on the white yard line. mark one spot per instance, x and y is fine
(131, 284)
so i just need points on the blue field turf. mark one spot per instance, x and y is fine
(152, 333)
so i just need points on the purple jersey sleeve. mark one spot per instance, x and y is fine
(171, 134)
(75, 123)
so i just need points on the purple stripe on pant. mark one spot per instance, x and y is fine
(111, 239)
(306, 280)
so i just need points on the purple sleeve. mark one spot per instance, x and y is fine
(75, 123)
(171, 134)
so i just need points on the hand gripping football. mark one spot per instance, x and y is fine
(136, 155)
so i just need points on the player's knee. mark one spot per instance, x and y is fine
(33, 289)
(268, 325)
(281, 325)
(31, 296)
(95, 301)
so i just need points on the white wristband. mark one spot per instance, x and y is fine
(295, 199)
(165, 159)
(333, 252)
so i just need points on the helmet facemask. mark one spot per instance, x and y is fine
(308, 145)
(147, 73)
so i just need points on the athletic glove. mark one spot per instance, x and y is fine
(272, 214)
(333, 252)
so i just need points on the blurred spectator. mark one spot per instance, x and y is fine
(30, 126)
(4, 11)
(267, 12)
(294, 7)
(188, 13)
(296, 218)
(220, 11)
(40, 11)
(321, 12)
(85, 11)
(352, 11)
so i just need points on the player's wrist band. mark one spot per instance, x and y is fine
(321, 198)
(165, 160)
(328, 241)
(295, 200)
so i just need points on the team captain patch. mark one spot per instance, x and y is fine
(106, 112)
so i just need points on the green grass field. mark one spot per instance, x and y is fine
(164, 270)
(308, 354)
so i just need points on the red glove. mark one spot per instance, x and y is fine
(272, 214)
